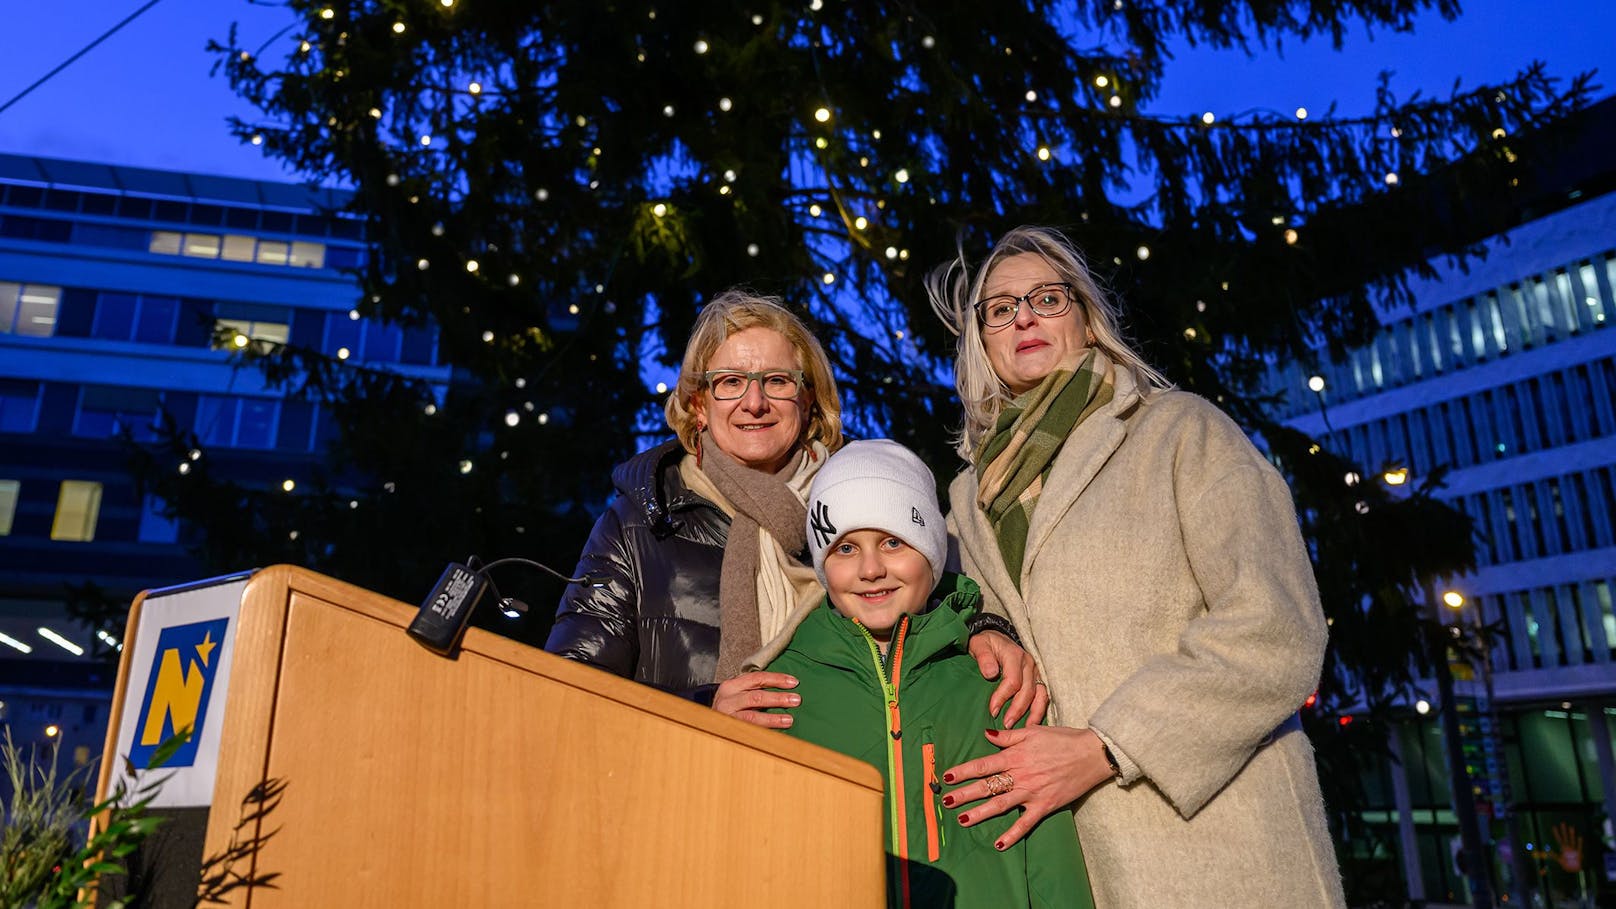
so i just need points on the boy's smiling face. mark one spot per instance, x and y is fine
(876, 578)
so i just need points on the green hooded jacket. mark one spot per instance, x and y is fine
(913, 715)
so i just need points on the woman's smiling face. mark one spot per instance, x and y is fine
(759, 431)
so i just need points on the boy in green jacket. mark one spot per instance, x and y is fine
(887, 679)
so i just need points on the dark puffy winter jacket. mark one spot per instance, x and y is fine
(654, 558)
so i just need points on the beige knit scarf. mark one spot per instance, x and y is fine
(762, 585)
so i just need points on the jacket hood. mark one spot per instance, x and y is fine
(651, 481)
(826, 636)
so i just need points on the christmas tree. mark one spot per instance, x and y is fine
(557, 187)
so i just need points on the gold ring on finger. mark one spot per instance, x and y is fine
(1000, 783)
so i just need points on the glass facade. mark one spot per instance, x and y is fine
(1507, 384)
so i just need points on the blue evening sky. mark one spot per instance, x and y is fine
(145, 97)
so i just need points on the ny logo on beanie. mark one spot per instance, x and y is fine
(824, 530)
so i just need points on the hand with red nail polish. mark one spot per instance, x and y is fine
(1040, 769)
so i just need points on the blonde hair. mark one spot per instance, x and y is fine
(737, 310)
(954, 290)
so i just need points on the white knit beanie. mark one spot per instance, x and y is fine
(876, 485)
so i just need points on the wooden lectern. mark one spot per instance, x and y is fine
(504, 776)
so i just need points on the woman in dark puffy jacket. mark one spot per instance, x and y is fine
(699, 567)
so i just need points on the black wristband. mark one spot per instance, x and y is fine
(987, 621)
(1110, 759)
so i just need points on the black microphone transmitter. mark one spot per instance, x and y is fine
(442, 617)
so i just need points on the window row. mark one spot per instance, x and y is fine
(238, 248)
(1548, 517)
(76, 516)
(178, 211)
(1535, 310)
(228, 247)
(219, 421)
(1541, 412)
(78, 505)
(44, 311)
(1545, 627)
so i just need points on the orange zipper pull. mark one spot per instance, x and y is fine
(896, 721)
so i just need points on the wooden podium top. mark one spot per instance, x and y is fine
(509, 776)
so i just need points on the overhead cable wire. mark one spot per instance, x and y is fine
(71, 60)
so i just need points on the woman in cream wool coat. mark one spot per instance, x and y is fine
(1150, 559)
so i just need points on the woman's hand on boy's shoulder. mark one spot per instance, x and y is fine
(748, 696)
(1001, 658)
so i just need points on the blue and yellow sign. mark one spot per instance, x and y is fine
(178, 685)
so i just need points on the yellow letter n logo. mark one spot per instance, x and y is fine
(178, 685)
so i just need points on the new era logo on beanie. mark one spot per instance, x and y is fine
(876, 485)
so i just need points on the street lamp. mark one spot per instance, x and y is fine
(1477, 866)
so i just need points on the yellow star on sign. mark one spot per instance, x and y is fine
(205, 648)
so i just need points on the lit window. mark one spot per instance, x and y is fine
(273, 252)
(308, 255)
(28, 309)
(263, 333)
(8, 504)
(238, 248)
(77, 507)
(166, 242)
(202, 246)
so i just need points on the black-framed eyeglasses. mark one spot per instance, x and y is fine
(730, 384)
(1046, 300)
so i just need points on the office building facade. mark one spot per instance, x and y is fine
(123, 292)
(1504, 372)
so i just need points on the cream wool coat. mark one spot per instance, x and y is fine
(1171, 606)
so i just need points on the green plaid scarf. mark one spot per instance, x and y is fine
(1016, 456)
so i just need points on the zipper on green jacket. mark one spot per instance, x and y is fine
(898, 816)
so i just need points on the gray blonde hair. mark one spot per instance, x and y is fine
(954, 290)
(735, 311)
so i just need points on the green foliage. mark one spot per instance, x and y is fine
(48, 814)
